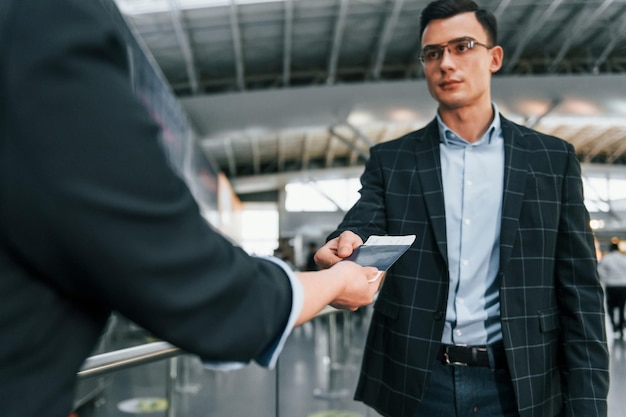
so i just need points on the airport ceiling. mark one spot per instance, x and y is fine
(278, 89)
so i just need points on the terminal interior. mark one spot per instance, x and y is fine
(268, 110)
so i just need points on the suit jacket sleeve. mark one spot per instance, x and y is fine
(585, 357)
(92, 207)
(368, 216)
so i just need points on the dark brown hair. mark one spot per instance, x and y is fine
(443, 9)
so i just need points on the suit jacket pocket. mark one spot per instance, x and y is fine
(549, 320)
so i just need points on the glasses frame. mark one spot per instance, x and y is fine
(442, 47)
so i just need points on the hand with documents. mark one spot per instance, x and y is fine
(381, 251)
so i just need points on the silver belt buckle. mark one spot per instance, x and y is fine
(447, 359)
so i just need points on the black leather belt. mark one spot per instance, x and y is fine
(492, 356)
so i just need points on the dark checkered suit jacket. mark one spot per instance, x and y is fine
(551, 303)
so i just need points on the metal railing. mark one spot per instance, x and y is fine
(105, 363)
(117, 360)
(109, 362)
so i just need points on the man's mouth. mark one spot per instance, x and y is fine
(448, 83)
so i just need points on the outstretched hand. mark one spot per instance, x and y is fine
(337, 249)
(361, 285)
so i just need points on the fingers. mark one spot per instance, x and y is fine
(326, 256)
(361, 285)
(337, 249)
(347, 242)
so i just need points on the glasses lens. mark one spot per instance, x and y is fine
(432, 53)
(460, 46)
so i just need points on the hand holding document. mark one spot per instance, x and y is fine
(381, 252)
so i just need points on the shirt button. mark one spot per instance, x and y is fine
(467, 222)
(458, 332)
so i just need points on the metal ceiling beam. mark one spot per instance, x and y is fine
(270, 182)
(586, 17)
(385, 37)
(539, 17)
(586, 138)
(617, 29)
(340, 25)
(621, 150)
(329, 151)
(237, 49)
(256, 154)
(306, 151)
(280, 157)
(532, 120)
(359, 134)
(501, 8)
(230, 155)
(287, 42)
(333, 131)
(185, 45)
(603, 141)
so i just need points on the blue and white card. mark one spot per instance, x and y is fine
(381, 251)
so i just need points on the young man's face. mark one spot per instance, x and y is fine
(460, 78)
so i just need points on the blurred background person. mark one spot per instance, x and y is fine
(612, 271)
(310, 259)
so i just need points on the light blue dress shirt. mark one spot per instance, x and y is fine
(473, 178)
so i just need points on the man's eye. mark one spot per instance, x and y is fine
(432, 54)
(463, 46)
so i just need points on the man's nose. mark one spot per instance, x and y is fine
(446, 59)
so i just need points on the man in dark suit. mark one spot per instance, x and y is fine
(93, 219)
(496, 309)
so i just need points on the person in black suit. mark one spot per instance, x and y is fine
(93, 219)
(496, 309)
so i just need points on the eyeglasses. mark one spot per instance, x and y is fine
(457, 47)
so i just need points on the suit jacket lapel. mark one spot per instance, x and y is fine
(515, 170)
(428, 163)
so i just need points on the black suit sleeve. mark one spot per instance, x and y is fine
(91, 206)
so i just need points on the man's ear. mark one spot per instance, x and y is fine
(497, 55)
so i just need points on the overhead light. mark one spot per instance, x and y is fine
(132, 7)
(596, 224)
(360, 117)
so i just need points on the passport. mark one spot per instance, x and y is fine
(381, 251)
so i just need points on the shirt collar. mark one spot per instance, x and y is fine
(448, 136)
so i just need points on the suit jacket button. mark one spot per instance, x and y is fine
(438, 315)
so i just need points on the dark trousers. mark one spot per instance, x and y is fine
(468, 391)
(616, 300)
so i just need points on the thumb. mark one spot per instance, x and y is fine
(344, 250)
